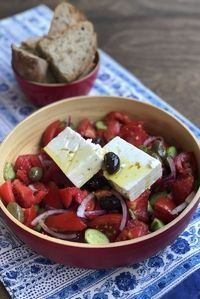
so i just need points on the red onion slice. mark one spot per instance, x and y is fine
(152, 139)
(179, 208)
(46, 214)
(83, 205)
(45, 162)
(168, 180)
(184, 204)
(56, 234)
(190, 197)
(95, 213)
(172, 167)
(32, 187)
(124, 210)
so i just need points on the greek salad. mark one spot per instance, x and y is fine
(99, 182)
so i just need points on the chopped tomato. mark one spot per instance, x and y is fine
(90, 205)
(24, 195)
(22, 175)
(51, 131)
(182, 187)
(108, 224)
(40, 192)
(6, 192)
(23, 164)
(53, 198)
(139, 206)
(66, 197)
(185, 163)
(163, 207)
(117, 116)
(132, 230)
(113, 129)
(86, 129)
(29, 215)
(79, 194)
(66, 222)
(134, 133)
(51, 172)
(70, 194)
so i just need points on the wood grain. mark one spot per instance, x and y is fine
(159, 41)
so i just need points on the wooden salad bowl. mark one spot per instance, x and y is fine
(25, 139)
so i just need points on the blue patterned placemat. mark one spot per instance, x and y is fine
(27, 275)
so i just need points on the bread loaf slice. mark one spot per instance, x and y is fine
(65, 15)
(29, 66)
(71, 52)
(30, 44)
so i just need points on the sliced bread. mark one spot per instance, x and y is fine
(71, 52)
(65, 15)
(30, 44)
(29, 66)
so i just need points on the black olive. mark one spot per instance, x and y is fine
(110, 203)
(96, 183)
(111, 162)
(97, 140)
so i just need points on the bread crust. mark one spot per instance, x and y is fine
(65, 15)
(28, 65)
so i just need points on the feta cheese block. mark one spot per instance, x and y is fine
(78, 158)
(138, 170)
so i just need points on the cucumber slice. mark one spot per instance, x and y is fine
(8, 172)
(155, 196)
(149, 208)
(94, 236)
(156, 224)
(16, 211)
(172, 151)
(37, 227)
(100, 125)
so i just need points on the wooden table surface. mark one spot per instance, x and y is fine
(158, 41)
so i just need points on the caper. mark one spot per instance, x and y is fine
(16, 211)
(96, 183)
(159, 148)
(111, 162)
(110, 203)
(35, 174)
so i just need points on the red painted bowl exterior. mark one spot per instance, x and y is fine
(41, 94)
(100, 258)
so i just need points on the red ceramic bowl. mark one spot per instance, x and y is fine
(41, 94)
(25, 139)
